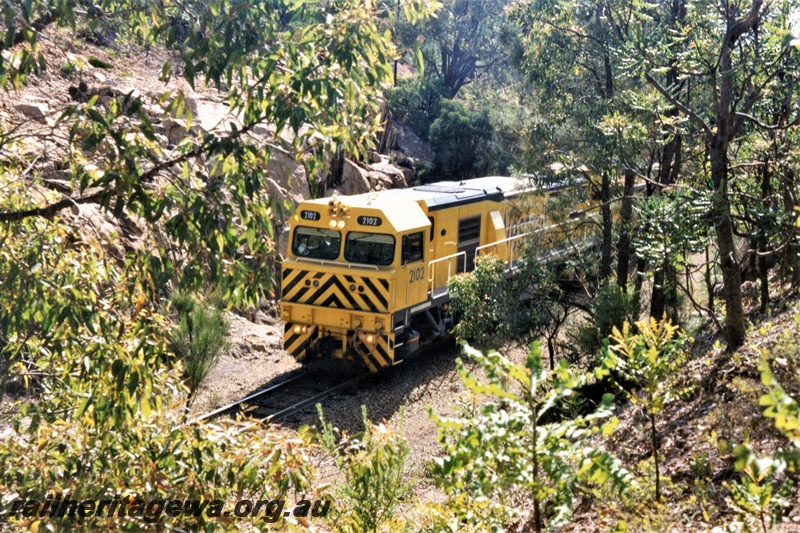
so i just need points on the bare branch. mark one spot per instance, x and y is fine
(50, 211)
(770, 127)
(674, 101)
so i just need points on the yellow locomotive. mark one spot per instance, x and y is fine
(366, 276)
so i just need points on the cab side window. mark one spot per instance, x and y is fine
(412, 248)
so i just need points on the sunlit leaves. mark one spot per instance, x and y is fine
(519, 440)
(81, 319)
(310, 69)
(651, 357)
(762, 493)
(95, 353)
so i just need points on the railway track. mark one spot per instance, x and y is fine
(303, 389)
(293, 395)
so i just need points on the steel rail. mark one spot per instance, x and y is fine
(237, 403)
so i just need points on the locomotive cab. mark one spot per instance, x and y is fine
(351, 262)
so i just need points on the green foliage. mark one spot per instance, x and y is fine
(96, 357)
(474, 302)
(373, 464)
(512, 445)
(417, 102)
(85, 332)
(527, 306)
(673, 223)
(759, 498)
(465, 39)
(313, 68)
(462, 144)
(672, 227)
(199, 339)
(610, 308)
(652, 360)
(780, 406)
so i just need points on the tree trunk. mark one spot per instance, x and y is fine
(725, 128)
(638, 279)
(657, 305)
(624, 244)
(735, 331)
(605, 211)
(709, 281)
(763, 244)
(790, 262)
(668, 171)
(654, 442)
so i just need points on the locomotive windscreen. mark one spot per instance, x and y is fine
(318, 243)
(369, 248)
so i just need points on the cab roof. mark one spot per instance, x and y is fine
(438, 195)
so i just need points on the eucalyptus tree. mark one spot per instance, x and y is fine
(88, 328)
(315, 69)
(465, 40)
(574, 78)
(729, 54)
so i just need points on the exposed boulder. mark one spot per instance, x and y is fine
(379, 181)
(174, 129)
(299, 186)
(215, 116)
(411, 145)
(396, 176)
(288, 174)
(355, 180)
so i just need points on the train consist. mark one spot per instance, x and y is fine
(366, 276)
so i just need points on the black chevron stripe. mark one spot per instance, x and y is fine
(344, 292)
(321, 290)
(289, 342)
(289, 286)
(342, 289)
(310, 295)
(287, 327)
(384, 284)
(372, 306)
(383, 354)
(298, 298)
(333, 299)
(348, 296)
(378, 295)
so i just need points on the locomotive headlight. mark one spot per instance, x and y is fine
(305, 329)
(370, 338)
(340, 224)
(298, 329)
(332, 224)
